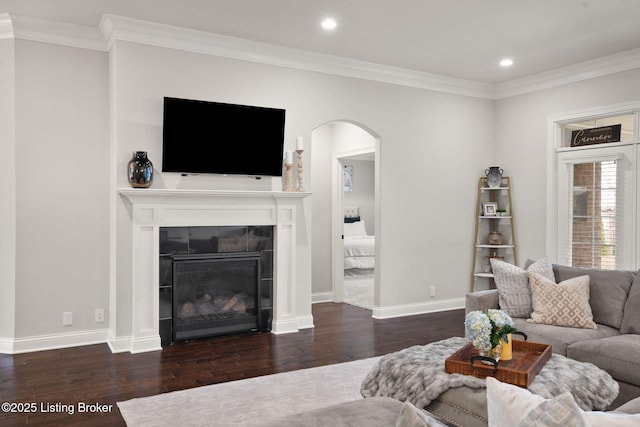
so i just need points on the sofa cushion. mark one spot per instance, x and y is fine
(617, 355)
(608, 291)
(562, 304)
(410, 416)
(631, 407)
(513, 284)
(559, 337)
(631, 317)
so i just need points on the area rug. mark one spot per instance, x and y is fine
(358, 291)
(252, 401)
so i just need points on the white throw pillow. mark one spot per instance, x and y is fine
(509, 405)
(353, 229)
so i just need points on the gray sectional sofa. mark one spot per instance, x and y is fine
(614, 346)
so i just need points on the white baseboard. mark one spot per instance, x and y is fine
(400, 310)
(53, 341)
(419, 308)
(145, 344)
(6, 346)
(119, 344)
(321, 297)
(287, 326)
(305, 322)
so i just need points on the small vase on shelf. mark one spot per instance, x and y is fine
(493, 176)
(495, 238)
(140, 170)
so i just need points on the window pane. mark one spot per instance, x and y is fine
(593, 218)
(626, 120)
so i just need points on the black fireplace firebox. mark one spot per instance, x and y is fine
(215, 281)
(215, 294)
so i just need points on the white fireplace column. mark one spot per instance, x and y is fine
(155, 208)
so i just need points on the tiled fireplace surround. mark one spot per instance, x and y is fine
(152, 209)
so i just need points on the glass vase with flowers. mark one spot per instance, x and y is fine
(489, 331)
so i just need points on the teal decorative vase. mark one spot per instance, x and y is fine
(140, 170)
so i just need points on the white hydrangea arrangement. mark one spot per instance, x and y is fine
(485, 328)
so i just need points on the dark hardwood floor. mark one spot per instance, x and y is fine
(93, 375)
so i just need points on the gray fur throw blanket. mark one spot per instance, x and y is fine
(417, 375)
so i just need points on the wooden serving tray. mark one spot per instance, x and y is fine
(528, 359)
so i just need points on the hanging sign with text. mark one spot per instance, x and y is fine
(599, 135)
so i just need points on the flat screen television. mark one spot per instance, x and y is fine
(219, 138)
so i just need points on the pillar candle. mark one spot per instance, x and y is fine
(289, 158)
(299, 143)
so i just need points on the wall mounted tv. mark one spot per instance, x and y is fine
(214, 137)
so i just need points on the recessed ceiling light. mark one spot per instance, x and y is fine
(507, 62)
(329, 24)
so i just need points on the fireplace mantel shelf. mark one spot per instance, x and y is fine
(150, 194)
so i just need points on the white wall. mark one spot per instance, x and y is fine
(61, 187)
(433, 147)
(421, 139)
(522, 146)
(7, 192)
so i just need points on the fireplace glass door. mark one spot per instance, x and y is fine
(216, 294)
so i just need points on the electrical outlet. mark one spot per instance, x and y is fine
(99, 315)
(67, 318)
(433, 291)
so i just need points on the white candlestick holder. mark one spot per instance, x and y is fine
(288, 177)
(300, 187)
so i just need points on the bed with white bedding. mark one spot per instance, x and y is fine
(359, 250)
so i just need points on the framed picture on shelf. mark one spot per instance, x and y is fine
(489, 208)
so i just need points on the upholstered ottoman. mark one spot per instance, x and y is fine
(417, 375)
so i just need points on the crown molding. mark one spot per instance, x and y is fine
(6, 26)
(118, 28)
(114, 28)
(606, 65)
(60, 33)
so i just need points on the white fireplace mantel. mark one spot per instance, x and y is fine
(155, 208)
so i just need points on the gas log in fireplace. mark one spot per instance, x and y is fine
(215, 281)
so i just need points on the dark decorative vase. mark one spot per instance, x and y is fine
(140, 170)
(494, 176)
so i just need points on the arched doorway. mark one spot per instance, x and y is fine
(338, 144)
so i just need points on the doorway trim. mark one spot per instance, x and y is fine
(337, 222)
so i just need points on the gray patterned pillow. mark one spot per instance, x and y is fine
(561, 304)
(514, 293)
(560, 411)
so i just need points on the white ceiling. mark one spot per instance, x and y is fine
(464, 39)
